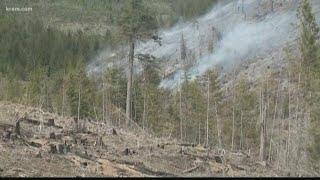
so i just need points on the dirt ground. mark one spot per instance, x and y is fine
(61, 150)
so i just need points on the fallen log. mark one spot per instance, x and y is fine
(34, 144)
(50, 122)
(234, 166)
(6, 134)
(203, 157)
(5, 126)
(141, 167)
(128, 151)
(186, 144)
(59, 148)
(17, 129)
(190, 169)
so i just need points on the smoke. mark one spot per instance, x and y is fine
(249, 30)
(245, 40)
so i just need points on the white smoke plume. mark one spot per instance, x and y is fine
(249, 29)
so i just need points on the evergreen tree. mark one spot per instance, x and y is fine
(136, 23)
(309, 48)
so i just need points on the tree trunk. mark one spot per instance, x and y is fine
(273, 120)
(79, 100)
(103, 102)
(262, 135)
(129, 84)
(144, 111)
(218, 126)
(180, 109)
(241, 131)
(63, 99)
(208, 106)
(289, 125)
(199, 134)
(233, 114)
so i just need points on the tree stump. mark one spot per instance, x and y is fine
(58, 136)
(218, 159)
(99, 142)
(76, 125)
(160, 146)
(114, 132)
(83, 141)
(17, 130)
(126, 152)
(6, 135)
(13, 136)
(52, 136)
(51, 122)
(84, 164)
(53, 149)
(66, 148)
(60, 148)
(39, 155)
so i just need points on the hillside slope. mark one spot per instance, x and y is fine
(42, 149)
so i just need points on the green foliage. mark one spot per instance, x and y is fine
(308, 34)
(191, 8)
(116, 84)
(193, 110)
(309, 48)
(80, 85)
(34, 57)
(136, 21)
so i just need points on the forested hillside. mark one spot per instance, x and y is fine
(38, 60)
(228, 88)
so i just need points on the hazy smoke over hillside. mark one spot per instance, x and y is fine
(249, 29)
(244, 39)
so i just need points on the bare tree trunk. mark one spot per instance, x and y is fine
(144, 101)
(241, 131)
(262, 135)
(106, 115)
(129, 84)
(289, 125)
(233, 114)
(134, 106)
(144, 111)
(180, 109)
(233, 121)
(273, 120)
(297, 117)
(95, 112)
(63, 99)
(208, 106)
(103, 102)
(79, 100)
(118, 106)
(199, 134)
(218, 126)
(242, 8)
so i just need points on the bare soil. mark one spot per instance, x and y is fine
(43, 150)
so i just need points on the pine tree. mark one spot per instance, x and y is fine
(136, 23)
(308, 41)
(309, 48)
